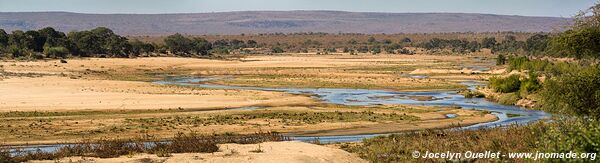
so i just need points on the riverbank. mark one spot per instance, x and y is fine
(52, 102)
(290, 151)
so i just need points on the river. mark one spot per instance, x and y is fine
(363, 97)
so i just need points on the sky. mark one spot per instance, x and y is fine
(554, 8)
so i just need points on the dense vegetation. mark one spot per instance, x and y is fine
(103, 42)
(573, 135)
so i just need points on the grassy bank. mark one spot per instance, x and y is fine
(561, 136)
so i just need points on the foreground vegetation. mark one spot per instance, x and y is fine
(109, 148)
(568, 135)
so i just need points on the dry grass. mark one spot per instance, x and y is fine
(110, 148)
(54, 127)
(398, 148)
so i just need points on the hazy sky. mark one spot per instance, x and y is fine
(560, 8)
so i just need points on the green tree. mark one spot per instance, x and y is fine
(580, 43)
(488, 42)
(53, 38)
(138, 47)
(3, 38)
(582, 40)
(37, 41)
(20, 40)
(178, 44)
(117, 46)
(86, 43)
(202, 46)
(536, 43)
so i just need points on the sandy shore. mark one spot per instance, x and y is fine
(54, 93)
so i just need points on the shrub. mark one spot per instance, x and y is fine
(575, 93)
(506, 85)
(56, 52)
(516, 63)
(277, 50)
(399, 147)
(509, 99)
(501, 60)
(579, 135)
(529, 85)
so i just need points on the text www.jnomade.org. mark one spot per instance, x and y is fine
(494, 155)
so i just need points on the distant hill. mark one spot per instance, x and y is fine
(281, 21)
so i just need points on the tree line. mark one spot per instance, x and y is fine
(103, 42)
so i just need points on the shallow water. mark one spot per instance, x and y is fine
(363, 97)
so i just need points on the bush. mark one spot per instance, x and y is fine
(516, 63)
(220, 51)
(506, 85)
(561, 136)
(277, 50)
(16, 51)
(529, 85)
(575, 93)
(501, 60)
(509, 99)
(56, 52)
(579, 135)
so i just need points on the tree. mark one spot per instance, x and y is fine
(98, 41)
(53, 38)
(536, 43)
(3, 38)
(85, 43)
(117, 46)
(138, 47)
(589, 18)
(509, 45)
(20, 40)
(201, 46)
(582, 40)
(178, 44)
(580, 43)
(37, 41)
(277, 50)
(488, 42)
